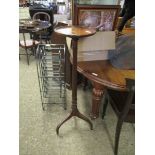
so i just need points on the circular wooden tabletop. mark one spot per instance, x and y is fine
(75, 31)
(104, 73)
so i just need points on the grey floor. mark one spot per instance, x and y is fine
(37, 127)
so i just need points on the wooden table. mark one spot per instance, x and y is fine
(103, 75)
(75, 33)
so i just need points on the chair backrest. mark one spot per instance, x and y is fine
(123, 102)
(33, 10)
(130, 101)
(42, 16)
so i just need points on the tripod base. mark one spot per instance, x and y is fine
(78, 114)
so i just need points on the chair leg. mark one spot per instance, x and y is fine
(27, 55)
(105, 106)
(117, 135)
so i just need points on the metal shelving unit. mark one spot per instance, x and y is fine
(51, 74)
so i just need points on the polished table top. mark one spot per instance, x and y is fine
(104, 73)
(75, 31)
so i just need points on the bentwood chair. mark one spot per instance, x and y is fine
(29, 45)
(42, 16)
(44, 34)
(123, 104)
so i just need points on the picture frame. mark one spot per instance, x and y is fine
(100, 17)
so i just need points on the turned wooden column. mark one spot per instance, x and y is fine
(97, 94)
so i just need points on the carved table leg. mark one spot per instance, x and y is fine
(97, 94)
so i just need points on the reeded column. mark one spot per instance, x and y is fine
(97, 95)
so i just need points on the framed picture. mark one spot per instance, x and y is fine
(100, 17)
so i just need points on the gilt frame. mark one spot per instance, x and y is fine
(101, 17)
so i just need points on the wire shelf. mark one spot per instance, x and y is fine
(51, 74)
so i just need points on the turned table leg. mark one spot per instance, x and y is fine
(97, 94)
(75, 111)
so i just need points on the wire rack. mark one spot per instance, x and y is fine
(51, 74)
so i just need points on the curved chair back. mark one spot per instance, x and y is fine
(46, 35)
(42, 16)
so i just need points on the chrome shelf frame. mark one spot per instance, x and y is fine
(51, 74)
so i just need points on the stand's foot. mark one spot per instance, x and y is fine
(86, 119)
(78, 114)
(57, 129)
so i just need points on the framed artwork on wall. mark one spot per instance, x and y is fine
(100, 17)
(98, 2)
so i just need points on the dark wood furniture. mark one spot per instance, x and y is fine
(123, 104)
(75, 33)
(103, 75)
